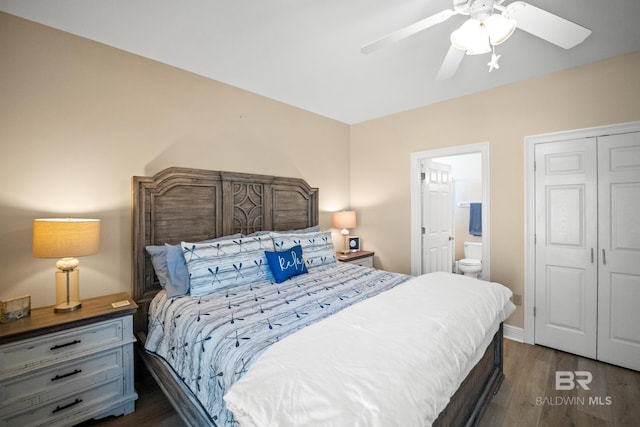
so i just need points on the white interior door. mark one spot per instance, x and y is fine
(619, 254)
(437, 217)
(566, 246)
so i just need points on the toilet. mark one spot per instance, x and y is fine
(471, 265)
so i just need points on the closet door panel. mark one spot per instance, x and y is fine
(625, 292)
(619, 249)
(566, 272)
(565, 299)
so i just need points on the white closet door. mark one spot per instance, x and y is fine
(619, 254)
(437, 199)
(566, 245)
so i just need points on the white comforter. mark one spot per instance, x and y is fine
(392, 360)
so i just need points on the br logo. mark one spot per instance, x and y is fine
(567, 380)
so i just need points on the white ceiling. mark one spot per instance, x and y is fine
(306, 53)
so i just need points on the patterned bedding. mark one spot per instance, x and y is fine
(211, 341)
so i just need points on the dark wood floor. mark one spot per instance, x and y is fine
(528, 395)
(526, 398)
(152, 408)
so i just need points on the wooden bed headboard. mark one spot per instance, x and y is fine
(182, 204)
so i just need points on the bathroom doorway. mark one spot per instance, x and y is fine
(470, 172)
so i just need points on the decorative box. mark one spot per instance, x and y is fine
(15, 308)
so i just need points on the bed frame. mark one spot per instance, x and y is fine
(181, 204)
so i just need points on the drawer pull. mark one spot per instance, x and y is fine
(59, 377)
(55, 347)
(62, 408)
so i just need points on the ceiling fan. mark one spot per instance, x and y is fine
(489, 24)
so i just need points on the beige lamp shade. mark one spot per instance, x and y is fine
(344, 219)
(65, 237)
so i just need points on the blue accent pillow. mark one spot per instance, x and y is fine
(178, 283)
(286, 264)
(158, 256)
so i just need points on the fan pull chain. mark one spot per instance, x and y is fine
(493, 64)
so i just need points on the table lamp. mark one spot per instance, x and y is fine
(344, 220)
(66, 238)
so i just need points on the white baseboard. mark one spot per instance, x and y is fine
(513, 333)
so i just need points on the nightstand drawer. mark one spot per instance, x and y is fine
(363, 262)
(36, 387)
(361, 258)
(68, 410)
(57, 347)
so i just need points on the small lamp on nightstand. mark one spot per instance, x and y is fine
(66, 238)
(344, 220)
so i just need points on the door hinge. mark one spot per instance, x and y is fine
(534, 312)
(535, 238)
(424, 230)
(423, 176)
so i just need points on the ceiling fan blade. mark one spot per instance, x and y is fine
(410, 30)
(450, 63)
(546, 25)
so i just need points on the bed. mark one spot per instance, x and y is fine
(182, 207)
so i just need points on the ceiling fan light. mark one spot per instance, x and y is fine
(463, 36)
(480, 45)
(499, 28)
(471, 37)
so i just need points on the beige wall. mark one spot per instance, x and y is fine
(78, 119)
(603, 93)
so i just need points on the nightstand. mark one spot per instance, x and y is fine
(362, 258)
(62, 368)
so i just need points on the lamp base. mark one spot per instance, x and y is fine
(67, 291)
(67, 306)
(345, 241)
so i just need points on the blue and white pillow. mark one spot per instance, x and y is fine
(312, 229)
(317, 248)
(226, 263)
(286, 264)
(171, 268)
